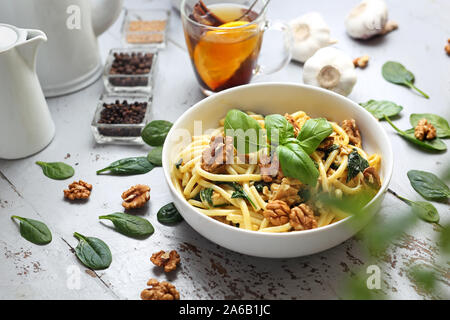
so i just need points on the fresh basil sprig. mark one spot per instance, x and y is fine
(154, 133)
(93, 252)
(441, 125)
(278, 129)
(129, 225)
(433, 145)
(128, 166)
(396, 73)
(356, 164)
(244, 130)
(56, 170)
(313, 132)
(428, 185)
(381, 108)
(155, 156)
(34, 231)
(169, 214)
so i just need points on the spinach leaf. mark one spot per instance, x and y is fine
(396, 73)
(433, 145)
(441, 125)
(129, 225)
(155, 156)
(128, 166)
(296, 163)
(238, 192)
(382, 108)
(313, 132)
(279, 130)
(259, 185)
(356, 164)
(34, 231)
(56, 170)
(93, 252)
(428, 185)
(179, 163)
(169, 214)
(206, 195)
(154, 133)
(424, 210)
(245, 131)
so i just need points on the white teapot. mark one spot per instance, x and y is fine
(70, 60)
(26, 126)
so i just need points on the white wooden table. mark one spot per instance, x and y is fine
(207, 270)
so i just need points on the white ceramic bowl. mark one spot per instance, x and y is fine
(269, 98)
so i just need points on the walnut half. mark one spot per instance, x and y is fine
(277, 212)
(424, 130)
(302, 218)
(136, 197)
(168, 260)
(160, 291)
(78, 190)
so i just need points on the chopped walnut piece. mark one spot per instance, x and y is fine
(302, 218)
(389, 26)
(361, 62)
(136, 197)
(277, 212)
(372, 178)
(352, 131)
(293, 122)
(270, 169)
(78, 190)
(424, 130)
(326, 144)
(219, 153)
(168, 260)
(287, 191)
(447, 47)
(160, 291)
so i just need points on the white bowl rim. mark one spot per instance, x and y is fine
(193, 109)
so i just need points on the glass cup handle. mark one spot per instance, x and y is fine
(287, 42)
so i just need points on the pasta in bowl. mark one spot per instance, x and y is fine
(261, 193)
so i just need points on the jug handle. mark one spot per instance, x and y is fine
(104, 14)
(28, 48)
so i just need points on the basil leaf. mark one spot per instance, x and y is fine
(382, 108)
(313, 132)
(245, 131)
(128, 166)
(206, 195)
(130, 225)
(34, 231)
(154, 133)
(296, 163)
(56, 170)
(441, 125)
(425, 211)
(155, 156)
(355, 165)
(93, 252)
(428, 185)
(279, 130)
(169, 214)
(395, 72)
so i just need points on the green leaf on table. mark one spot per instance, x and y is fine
(313, 132)
(428, 185)
(34, 231)
(155, 156)
(396, 73)
(381, 108)
(129, 225)
(93, 252)
(128, 166)
(441, 125)
(244, 130)
(425, 211)
(155, 133)
(56, 170)
(169, 214)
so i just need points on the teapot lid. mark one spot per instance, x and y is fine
(8, 37)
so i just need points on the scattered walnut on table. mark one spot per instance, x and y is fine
(352, 131)
(447, 47)
(168, 260)
(302, 217)
(219, 153)
(361, 62)
(372, 178)
(160, 291)
(277, 212)
(424, 130)
(136, 197)
(78, 190)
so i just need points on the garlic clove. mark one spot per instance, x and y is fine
(310, 33)
(367, 19)
(331, 69)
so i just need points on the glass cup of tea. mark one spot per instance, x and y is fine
(224, 39)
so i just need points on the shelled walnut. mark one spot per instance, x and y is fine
(277, 212)
(424, 130)
(78, 190)
(160, 291)
(136, 197)
(302, 217)
(361, 62)
(168, 260)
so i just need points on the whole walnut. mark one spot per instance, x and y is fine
(136, 197)
(160, 291)
(277, 212)
(302, 217)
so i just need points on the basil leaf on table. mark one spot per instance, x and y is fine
(441, 125)
(155, 156)
(296, 163)
(381, 108)
(433, 145)
(313, 132)
(395, 72)
(154, 133)
(34, 231)
(130, 225)
(244, 130)
(355, 165)
(206, 196)
(428, 185)
(93, 252)
(56, 170)
(278, 128)
(169, 214)
(128, 166)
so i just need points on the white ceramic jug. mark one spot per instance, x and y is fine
(70, 61)
(26, 126)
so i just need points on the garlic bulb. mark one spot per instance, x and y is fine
(310, 33)
(367, 19)
(331, 69)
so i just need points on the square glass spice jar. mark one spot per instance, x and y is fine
(119, 119)
(130, 70)
(145, 28)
